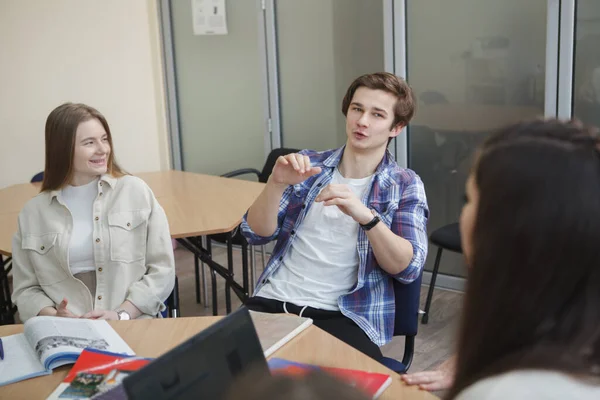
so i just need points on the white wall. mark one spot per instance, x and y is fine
(105, 53)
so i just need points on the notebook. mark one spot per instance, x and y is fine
(275, 330)
(49, 342)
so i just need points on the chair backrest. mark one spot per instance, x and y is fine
(406, 322)
(38, 177)
(270, 163)
(407, 298)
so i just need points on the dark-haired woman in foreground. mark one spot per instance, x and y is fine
(530, 231)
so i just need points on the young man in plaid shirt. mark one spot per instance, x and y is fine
(347, 222)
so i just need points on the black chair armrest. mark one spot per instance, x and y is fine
(242, 171)
(173, 300)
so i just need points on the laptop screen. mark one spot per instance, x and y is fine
(204, 366)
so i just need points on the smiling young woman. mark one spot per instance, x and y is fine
(94, 243)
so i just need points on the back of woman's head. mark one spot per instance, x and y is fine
(533, 292)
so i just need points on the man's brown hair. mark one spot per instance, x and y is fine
(61, 132)
(390, 83)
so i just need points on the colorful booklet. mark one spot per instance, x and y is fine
(50, 342)
(96, 372)
(372, 383)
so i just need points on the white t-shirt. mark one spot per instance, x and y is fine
(80, 200)
(322, 262)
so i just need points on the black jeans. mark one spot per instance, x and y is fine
(333, 322)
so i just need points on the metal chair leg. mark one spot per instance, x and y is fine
(252, 268)
(204, 282)
(263, 252)
(197, 277)
(245, 267)
(409, 351)
(174, 300)
(436, 267)
(231, 273)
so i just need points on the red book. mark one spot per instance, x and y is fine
(372, 383)
(95, 372)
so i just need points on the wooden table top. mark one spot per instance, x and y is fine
(195, 204)
(153, 337)
(472, 118)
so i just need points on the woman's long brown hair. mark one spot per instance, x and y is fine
(533, 291)
(61, 130)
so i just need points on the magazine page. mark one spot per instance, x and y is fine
(58, 341)
(20, 361)
(96, 372)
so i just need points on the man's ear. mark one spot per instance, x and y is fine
(395, 131)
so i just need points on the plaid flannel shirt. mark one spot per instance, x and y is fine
(398, 196)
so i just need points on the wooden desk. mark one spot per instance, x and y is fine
(195, 204)
(472, 118)
(13, 198)
(200, 205)
(153, 337)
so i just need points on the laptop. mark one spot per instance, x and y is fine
(203, 367)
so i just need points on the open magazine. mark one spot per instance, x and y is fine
(96, 372)
(49, 342)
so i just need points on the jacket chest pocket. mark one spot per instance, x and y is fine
(42, 251)
(128, 232)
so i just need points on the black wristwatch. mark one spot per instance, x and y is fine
(372, 222)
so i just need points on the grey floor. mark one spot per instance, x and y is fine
(434, 343)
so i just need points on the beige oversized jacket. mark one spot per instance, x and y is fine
(133, 253)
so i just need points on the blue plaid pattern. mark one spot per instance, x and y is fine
(398, 196)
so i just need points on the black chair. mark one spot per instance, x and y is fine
(38, 177)
(236, 236)
(7, 309)
(172, 302)
(406, 322)
(447, 237)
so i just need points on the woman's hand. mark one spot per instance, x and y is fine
(61, 310)
(108, 315)
(439, 379)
